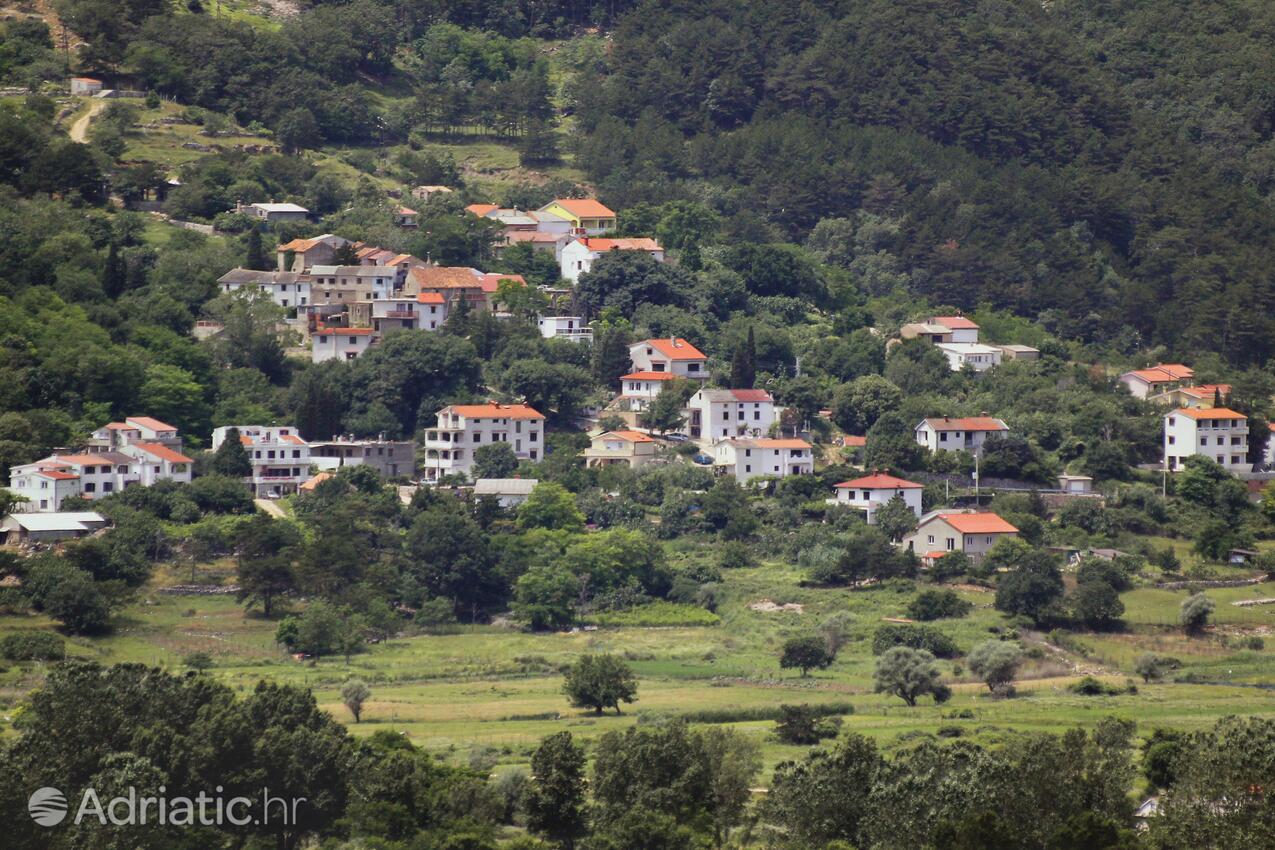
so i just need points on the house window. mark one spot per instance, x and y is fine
(951, 543)
(1172, 439)
(931, 538)
(90, 487)
(107, 487)
(943, 437)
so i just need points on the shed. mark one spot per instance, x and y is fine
(508, 492)
(48, 527)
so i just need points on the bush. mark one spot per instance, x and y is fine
(657, 614)
(803, 724)
(1195, 613)
(938, 605)
(806, 654)
(32, 646)
(916, 637)
(1091, 687)
(735, 554)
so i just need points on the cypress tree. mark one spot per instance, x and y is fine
(114, 273)
(743, 365)
(256, 258)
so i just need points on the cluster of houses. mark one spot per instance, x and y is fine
(957, 338)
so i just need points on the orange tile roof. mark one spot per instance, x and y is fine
(533, 236)
(118, 426)
(880, 481)
(635, 244)
(57, 474)
(148, 422)
(496, 411)
(675, 349)
(584, 207)
(431, 298)
(750, 395)
(776, 443)
(314, 481)
(1162, 373)
(86, 79)
(481, 210)
(446, 277)
(299, 245)
(292, 438)
(972, 423)
(163, 452)
(630, 436)
(955, 323)
(1209, 413)
(406, 211)
(648, 376)
(979, 523)
(854, 441)
(491, 282)
(1206, 390)
(81, 460)
(344, 331)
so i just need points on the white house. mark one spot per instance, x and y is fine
(289, 290)
(1217, 433)
(971, 532)
(424, 312)
(464, 428)
(508, 492)
(871, 492)
(136, 429)
(280, 458)
(1144, 383)
(383, 281)
(573, 328)
(674, 355)
(85, 86)
(620, 448)
(639, 389)
(274, 212)
(157, 462)
(958, 435)
(390, 458)
(938, 329)
(752, 458)
(46, 482)
(977, 356)
(720, 414)
(339, 343)
(578, 255)
(1269, 456)
(43, 488)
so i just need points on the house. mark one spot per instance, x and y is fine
(1018, 352)
(1144, 383)
(86, 86)
(937, 329)
(585, 214)
(424, 193)
(620, 448)
(312, 483)
(1218, 433)
(300, 254)
(46, 482)
(379, 281)
(958, 435)
(573, 328)
(271, 213)
(49, 527)
(1202, 396)
(424, 312)
(327, 343)
(405, 217)
(719, 414)
(975, 355)
(136, 429)
(578, 255)
(280, 458)
(540, 241)
(464, 428)
(459, 283)
(156, 462)
(675, 356)
(508, 492)
(639, 389)
(747, 459)
(289, 290)
(971, 532)
(390, 458)
(1075, 483)
(871, 492)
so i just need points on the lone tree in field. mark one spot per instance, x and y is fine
(995, 662)
(1195, 613)
(1149, 666)
(806, 654)
(910, 674)
(556, 803)
(600, 681)
(354, 693)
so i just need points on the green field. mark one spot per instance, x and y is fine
(497, 690)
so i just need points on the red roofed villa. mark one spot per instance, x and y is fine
(958, 435)
(871, 492)
(971, 532)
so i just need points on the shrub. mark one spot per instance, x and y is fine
(1091, 687)
(995, 662)
(938, 605)
(806, 654)
(735, 554)
(656, 614)
(32, 646)
(1195, 613)
(804, 724)
(916, 637)
(198, 661)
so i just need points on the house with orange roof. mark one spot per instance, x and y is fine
(405, 217)
(747, 459)
(157, 462)
(280, 458)
(464, 428)
(578, 255)
(621, 448)
(1201, 396)
(299, 254)
(720, 414)
(587, 215)
(336, 343)
(639, 389)
(1218, 433)
(135, 429)
(85, 86)
(941, 329)
(965, 434)
(90, 475)
(459, 283)
(971, 532)
(673, 355)
(288, 290)
(424, 312)
(871, 492)
(424, 193)
(1143, 383)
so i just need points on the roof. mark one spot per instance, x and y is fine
(57, 521)
(162, 452)
(1209, 413)
(83, 460)
(533, 236)
(1206, 390)
(648, 376)
(86, 79)
(433, 188)
(628, 436)
(119, 426)
(314, 481)
(967, 347)
(149, 423)
(406, 211)
(292, 438)
(582, 207)
(971, 423)
(281, 207)
(57, 474)
(482, 210)
(674, 349)
(773, 443)
(491, 282)
(431, 298)
(854, 441)
(505, 486)
(343, 331)
(737, 395)
(641, 243)
(955, 323)
(978, 523)
(445, 277)
(1161, 373)
(303, 245)
(495, 411)
(880, 481)
(246, 276)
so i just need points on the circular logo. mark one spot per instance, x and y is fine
(47, 807)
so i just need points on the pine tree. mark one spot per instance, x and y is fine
(611, 356)
(743, 365)
(346, 255)
(231, 458)
(256, 258)
(114, 273)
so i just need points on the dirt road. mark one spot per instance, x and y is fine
(79, 131)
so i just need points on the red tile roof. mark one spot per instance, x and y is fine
(57, 474)
(648, 376)
(406, 211)
(1209, 413)
(163, 452)
(854, 441)
(979, 523)
(82, 460)
(119, 426)
(344, 331)
(431, 298)
(496, 411)
(750, 395)
(584, 207)
(675, 349)
(776, 443)
(1162, 373)
(149, 423)
(481, 210)
(880, 481)
(955, 323)
(630, 436)
(1207, 390)
(642, 243)
(292, 438)
(972, 423)
(491, 282)
(314, 481)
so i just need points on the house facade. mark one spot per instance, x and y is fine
(975, 355)
(1144, 383)
(721, 414)
(942, 329)
(300, 254)
(971, 532)
(464, 428)
(390, 458)
(870, 493)
(777, 458)
(639, 389)
(339, 343)
(585, 214)
(155, 462)
(272, 212)
(424, 312)
(958, 435)
(280, 458)
(620, 448)
(288, 290)
(1218, 433)
(572, 328)
(674, 356)
(578, 255)
(46, 482)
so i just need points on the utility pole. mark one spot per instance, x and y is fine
(976, 495)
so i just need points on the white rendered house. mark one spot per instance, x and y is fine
(280, 458)
(958, 435)
(870, 493)
(721, 414)
(675, 356)
(749, 459)
(1217, 433)
(464, 428)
